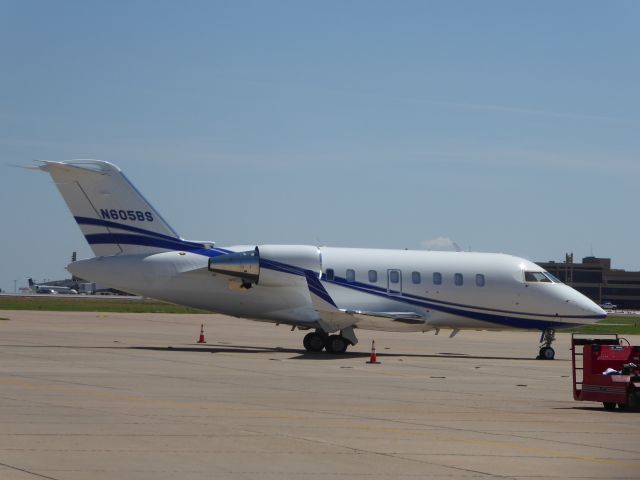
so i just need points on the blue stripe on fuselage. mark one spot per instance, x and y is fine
(109, 224)
(499, 317)
(129, 239)
(282, 267)
(146, 238)
(172, 244)
(373, 289)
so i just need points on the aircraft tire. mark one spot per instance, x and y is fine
(547, 353)
(336, 344)
(313, 342)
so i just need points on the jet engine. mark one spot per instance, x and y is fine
(245, 265)
(269, 265)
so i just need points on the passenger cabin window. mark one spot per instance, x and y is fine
(536, 277)
(480, 281)
(437, 278)
(373, 276)
(330, 274)
(351, 275)
(415, 277)
(394, 276)
(458, 280)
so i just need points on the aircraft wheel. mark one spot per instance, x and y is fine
(609, 405)
(336, 344)
(547, 353)
(314, 342)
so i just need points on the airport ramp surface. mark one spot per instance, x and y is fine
(133, 396)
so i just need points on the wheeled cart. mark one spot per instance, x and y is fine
(605, 369)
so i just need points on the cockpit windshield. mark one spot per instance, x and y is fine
(553, 278)
(536, 277)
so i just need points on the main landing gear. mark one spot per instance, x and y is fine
(319, 340)
(314, 341)
(546, 351)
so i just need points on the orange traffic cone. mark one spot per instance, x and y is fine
(374, 357)
(201, 339)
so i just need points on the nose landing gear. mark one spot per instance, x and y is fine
(546, 351)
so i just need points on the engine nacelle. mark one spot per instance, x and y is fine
(245, 265)
(269, 265)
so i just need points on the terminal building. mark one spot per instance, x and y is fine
(595, 278)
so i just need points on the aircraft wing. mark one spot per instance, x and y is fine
(335, 318)
(404, 317)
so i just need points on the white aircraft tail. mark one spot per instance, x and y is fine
(113, 215)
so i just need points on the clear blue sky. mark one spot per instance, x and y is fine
(505, 126)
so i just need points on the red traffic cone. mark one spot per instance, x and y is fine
(201, 339)
(374, 357)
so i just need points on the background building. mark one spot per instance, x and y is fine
(595, 278)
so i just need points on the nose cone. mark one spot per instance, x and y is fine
(583, 307)
(594, 308)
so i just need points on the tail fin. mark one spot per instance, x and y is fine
(113, 215)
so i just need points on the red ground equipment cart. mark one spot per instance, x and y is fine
(606, 369)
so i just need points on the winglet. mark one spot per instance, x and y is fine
(331, 318)
(25, 167)
(319, 295)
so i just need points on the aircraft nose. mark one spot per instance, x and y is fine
(595, 309)
(589, 307)
(578, 305)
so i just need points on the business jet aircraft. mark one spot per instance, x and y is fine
(51, 289)
(331, 291)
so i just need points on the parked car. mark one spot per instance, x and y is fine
(608, 306)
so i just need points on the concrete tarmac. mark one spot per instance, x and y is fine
(132, 396)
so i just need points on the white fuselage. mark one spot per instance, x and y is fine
(327, 289)
(459, 290)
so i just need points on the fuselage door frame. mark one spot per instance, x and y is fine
(394, 287)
